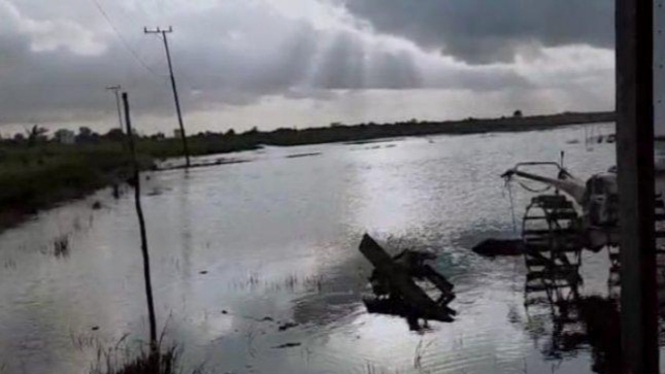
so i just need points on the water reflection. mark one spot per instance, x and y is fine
(564, 320)
(577, 321)
(277, 239)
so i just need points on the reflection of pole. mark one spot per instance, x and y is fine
(116, 90)
(635, 161)
(173, 86)
(144, 239)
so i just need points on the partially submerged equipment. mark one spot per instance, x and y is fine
(584, 212)
(578, 214)
(395, 289)
(499, 247)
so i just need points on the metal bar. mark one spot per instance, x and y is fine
(144, 240)
(635, 158)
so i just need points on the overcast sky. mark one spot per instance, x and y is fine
(300, 63)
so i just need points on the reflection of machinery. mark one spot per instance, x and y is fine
(556, 313)
(576, 322)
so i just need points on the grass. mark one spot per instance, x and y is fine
(61, 246)
(145, 361)
(198, 146)
(39, 177)
(35, 176)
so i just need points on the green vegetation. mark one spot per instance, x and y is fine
(199, 145)
(338, 132)
(209, 142)
(38, 176)
(115, 361)
(37, 171)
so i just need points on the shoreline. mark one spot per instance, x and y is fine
(338, 132)
(42, 176)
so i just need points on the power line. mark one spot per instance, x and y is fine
(124, 41)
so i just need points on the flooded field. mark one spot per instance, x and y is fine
(256, 267)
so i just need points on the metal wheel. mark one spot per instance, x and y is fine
(551, 228)
(551, 237)
(550, 233)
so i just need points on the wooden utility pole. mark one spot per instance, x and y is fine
(635, 159)
(116, 91)
(163, 33)
(144, 239)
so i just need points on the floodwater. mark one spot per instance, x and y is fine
(239, 250)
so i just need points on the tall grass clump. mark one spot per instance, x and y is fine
(146, 361)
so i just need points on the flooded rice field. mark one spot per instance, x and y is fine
(256, 266)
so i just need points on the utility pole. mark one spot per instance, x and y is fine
(635, 161)
(116, 91)
(163, 32)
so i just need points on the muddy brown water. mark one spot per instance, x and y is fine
(240, 250)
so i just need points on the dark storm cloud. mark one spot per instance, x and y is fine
(57, 84)
(485, 31)
(229, 53)
(56, 59)
(220, 57)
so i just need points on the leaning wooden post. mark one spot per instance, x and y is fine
(144, 239)
(635, 160)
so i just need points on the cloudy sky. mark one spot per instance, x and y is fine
(300, 63)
